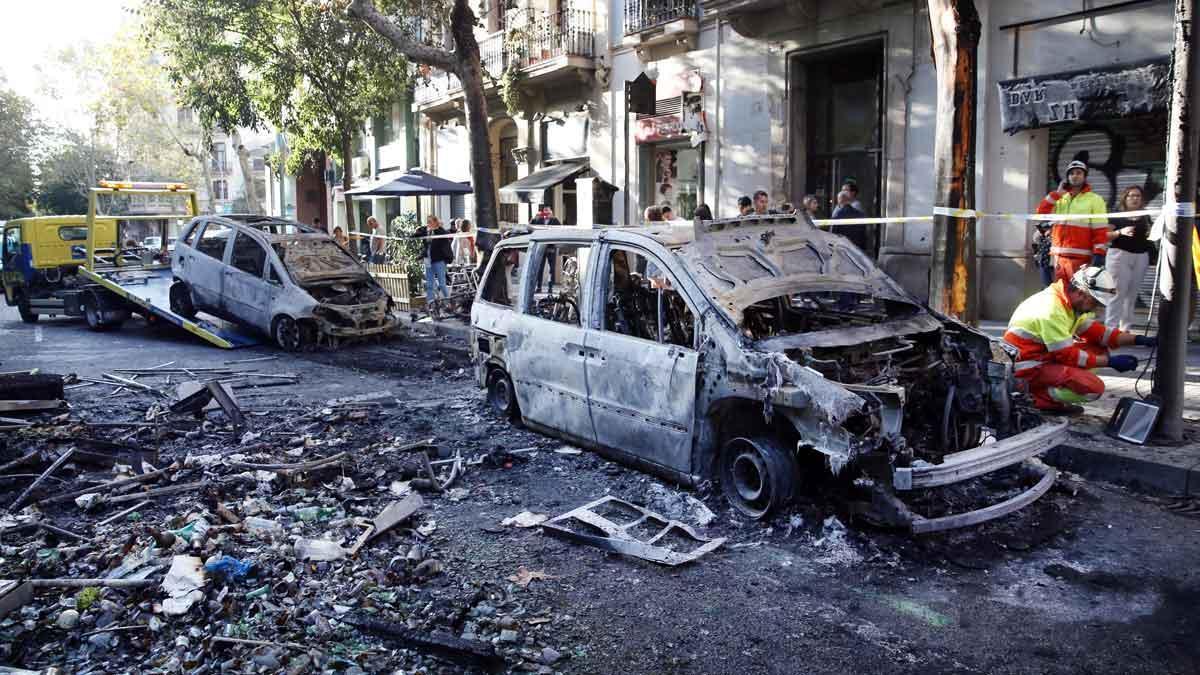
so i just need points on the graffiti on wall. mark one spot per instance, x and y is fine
(1119, 153)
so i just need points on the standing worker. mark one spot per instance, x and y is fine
(1059, 341)
(1076, 241)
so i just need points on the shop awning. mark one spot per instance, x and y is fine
(412, 183)
(532, 188)
(1108, 92)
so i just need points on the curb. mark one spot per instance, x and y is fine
(1138, 474)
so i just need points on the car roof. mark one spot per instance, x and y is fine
(666, 234)
(255, 224)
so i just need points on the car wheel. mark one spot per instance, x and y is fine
(91, 314)
(288, 334)
(181, 301)
(501, 395)
(757, 475)
(23, 308)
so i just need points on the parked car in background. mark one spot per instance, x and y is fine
(760, 352)
(281, 278)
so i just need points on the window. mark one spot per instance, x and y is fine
(220, 190)
(458, 206)
(218, 159)
(503, 284)
(184, 116)
(273, 276)
(248, 255)
(72, 233)
(191, 234)
(212, 241)
(557, 293)
(641, 301)
(12, 241)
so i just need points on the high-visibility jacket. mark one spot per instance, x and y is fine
(1075, 236)
(1045, 329)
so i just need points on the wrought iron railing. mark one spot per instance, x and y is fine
(643, 15)
(531, 37)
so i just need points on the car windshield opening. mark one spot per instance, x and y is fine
(814, 311)
(316, 259)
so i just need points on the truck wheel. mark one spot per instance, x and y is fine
(23, 308)
(92, 314)
(288, 334)
(757, 475)
(501, 395)
(181, 301)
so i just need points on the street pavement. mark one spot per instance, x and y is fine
(1092, 578)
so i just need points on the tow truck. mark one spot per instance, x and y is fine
(124, 275)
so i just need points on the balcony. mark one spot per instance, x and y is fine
(656, 28)
(543, 45)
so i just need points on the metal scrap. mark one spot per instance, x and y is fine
(619, 537)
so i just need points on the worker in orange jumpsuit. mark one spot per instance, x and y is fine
(1059, 341)
(1076, 240)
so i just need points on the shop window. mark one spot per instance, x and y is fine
(558, 291)
(676, 179)
(642, 301)
(503, 284)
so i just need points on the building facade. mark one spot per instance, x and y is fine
(796, 97)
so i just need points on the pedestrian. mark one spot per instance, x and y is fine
(340, 237)
(745, 206)
(851, 185)
(812, 205)
(545, 216)
(703, 212)
(464, 251)
(1075, 241)
(761, 201)
(1128, 257)
(435, 250)
(652, 214)
(857, 234)
(317, 224)
(1041, 253)
(666, 213)
(1058, 341)
(377, 244)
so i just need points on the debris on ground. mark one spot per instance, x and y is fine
(579, 525)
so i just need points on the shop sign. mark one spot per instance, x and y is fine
(1082, 95)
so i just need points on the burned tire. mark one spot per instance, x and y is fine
(288, 334)
(181, 301)
(23, 308)
(758, 476)
(501, 396)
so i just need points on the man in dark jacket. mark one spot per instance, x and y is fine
(545, 216)
(437, 253)
(857, 234)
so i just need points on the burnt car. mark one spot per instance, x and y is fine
(762, 353)
(286, 280)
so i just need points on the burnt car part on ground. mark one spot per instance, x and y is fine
(762, 352)
(614, 524)
(279, 278)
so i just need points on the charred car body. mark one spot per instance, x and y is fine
(284, 279)
(760, 352)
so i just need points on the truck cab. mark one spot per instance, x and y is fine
(40, 257)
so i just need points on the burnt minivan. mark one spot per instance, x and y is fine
(762, 353)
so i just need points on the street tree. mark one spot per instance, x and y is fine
(458, 54)
(69, 167)
(19, 132)
(309, 70)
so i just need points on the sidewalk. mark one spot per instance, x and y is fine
(1170, 470)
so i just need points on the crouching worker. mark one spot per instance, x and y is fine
(1059, 341)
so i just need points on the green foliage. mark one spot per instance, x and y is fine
(87, 597)
(303, 66)
(19, 132)
(66, 172)
(407, 252)
(510, 90)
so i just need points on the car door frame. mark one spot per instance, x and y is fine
(546, 358)
(200, 292)
(656, 437)
(260, 318)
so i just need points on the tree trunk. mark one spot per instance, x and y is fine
(347, 181)
(253, 205)
(470, 73)
(1183, 146)
(955, 29)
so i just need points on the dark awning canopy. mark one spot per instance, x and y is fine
(1081, 95)
(412, 183)
(532, 188)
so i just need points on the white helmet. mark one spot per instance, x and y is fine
(1096, 282)
(1076, 164)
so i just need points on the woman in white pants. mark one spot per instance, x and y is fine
(1127, 259)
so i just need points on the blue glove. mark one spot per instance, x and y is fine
(1097, 260)
(1123, 362)
(1146, 340)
